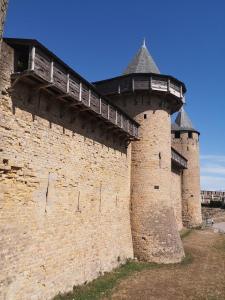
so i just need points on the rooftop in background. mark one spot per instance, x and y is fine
(142, 62)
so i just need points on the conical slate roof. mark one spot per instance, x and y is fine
(174, 126)
(142, 62)
(183, 122)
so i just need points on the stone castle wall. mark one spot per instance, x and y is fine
(64, 194)
(176, 196)
(68, 187)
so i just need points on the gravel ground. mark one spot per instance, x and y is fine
(202, 278)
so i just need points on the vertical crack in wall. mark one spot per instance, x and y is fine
(46, 194)
(100, 198)
(78, 203)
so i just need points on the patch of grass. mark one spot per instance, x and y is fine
(187, 260)
(104, 284)
(185, 232)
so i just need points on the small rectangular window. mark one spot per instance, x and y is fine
(190, 135)
(177, 135)
(145, 116)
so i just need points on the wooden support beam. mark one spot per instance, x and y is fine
(89, 98)
(150, 83)
(32, 58)
(168, 85)
(84, 108)
(80, 92)
(42, 86)
(62, 96)
(16, 80)
(108, 111)
(68, 84)
(100, 105)
(181, 91)
(127, 143)
(75, 104)
(52, 71)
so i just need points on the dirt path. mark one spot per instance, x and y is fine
(203, 278)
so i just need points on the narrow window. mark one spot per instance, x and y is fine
(145, 116)
(177, 135)
(190, 135)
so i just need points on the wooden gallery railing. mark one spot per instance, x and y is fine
(162, 84)
(178, 159)
(57, 77)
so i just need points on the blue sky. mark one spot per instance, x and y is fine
(186, 38)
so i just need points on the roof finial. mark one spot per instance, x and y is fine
(142, 62)
(143, 45)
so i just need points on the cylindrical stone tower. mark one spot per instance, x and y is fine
(154, 229)
(186, 141)
(150, 98)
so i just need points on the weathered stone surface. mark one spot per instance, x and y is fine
(154, 229)
(64, 195)
(176, 196)
(68, 187)
(3, 10)
(191, 198)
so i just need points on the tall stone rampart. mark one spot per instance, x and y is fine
(64, 194)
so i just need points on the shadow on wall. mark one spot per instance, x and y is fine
(44, 105)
